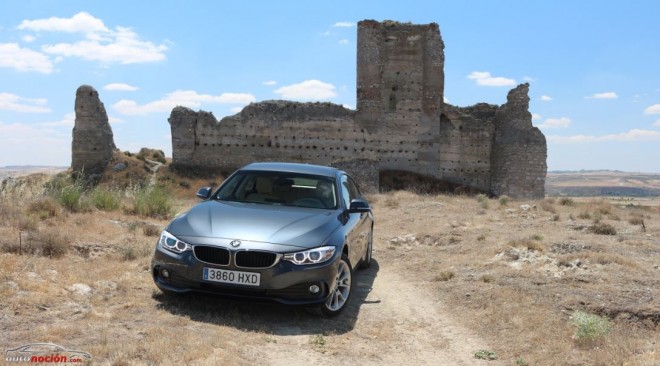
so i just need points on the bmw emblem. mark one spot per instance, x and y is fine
(235, 243)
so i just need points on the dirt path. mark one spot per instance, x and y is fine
(398, 323)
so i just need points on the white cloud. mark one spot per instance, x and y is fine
(546, 98)
(236, 109)
(120, 87)
(307, 90)
(536, 116)
(68, 120)
(28, 38)
(654, 109)
(82, 22)
(19, 141)
(528, 78)
(344, 24)
(187, 98)
(484, 78)
(122, 46)
(606, 95)
(445, 100)
(634, 135)
(23, 59)
(343, 41)
(348, 106)
(562, 122)
(15, 103)
(270, 82)
(326, 33)
(656, 123)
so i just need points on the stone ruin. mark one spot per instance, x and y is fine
(401, 124)
(93, 143)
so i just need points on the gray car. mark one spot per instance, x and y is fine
(291, 233)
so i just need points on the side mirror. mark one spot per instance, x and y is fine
(358, 205)
(204, 193)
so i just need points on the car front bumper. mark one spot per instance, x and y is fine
(285, 282)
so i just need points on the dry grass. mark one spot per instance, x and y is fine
(522, 307)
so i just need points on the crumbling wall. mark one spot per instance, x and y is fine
(93, 143)
(519, 150)
(401, 124)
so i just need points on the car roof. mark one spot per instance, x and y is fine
(293, 168)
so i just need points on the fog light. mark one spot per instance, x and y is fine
(165, 273)
(314, 289)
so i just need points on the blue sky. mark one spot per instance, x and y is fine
(592, 66)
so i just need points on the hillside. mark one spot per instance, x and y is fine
(602, 183)
(454, 278)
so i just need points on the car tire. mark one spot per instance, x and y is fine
(341, 294)
(366, 260)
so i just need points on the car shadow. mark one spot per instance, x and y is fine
(270, 317)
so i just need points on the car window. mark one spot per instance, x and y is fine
(345, 191)
(354, 191)
(280, 188)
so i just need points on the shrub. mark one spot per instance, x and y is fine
(154, 202)
(566, 201)
(105, 200)
(602, 229)
(44, 208)
(590, 326)
(50, 243)
(484, 354)
(71, 197)
(636, 220)
(529, 244)
(585, 215)
(504, 200)
(444, 276)
(483, 200)
(151, 230)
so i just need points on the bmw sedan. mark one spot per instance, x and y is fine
(291, 233)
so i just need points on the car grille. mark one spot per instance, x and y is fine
(255, 259)
(212, 255)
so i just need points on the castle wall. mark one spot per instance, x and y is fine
(401, 124)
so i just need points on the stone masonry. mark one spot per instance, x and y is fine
(93, 142)
(401, 124)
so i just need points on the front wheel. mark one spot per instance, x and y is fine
(341, 292)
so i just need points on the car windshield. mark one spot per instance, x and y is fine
(280, 188)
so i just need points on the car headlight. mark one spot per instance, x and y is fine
(171, 243)
(311, 256)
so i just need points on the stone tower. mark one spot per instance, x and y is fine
(93, 143)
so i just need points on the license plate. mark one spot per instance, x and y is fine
(236, 277)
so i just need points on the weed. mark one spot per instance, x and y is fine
(484, 354)
(537, 237)
(504, 200)
(566, 201)
(521, 362)
(44, 208)
(602, 229)
(50, 243)
(636, 220)
(105, 199)
(487, 278)
(483, 200)
(130, 252)
(529, 244)
(590, 326)
(154, 202)
(151, 230)
(585, 215)
(444, 276)
(318, 340)
(546, 205)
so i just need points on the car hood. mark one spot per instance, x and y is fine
(290, 226)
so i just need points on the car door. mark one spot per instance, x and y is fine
(357, 225)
